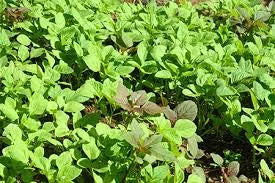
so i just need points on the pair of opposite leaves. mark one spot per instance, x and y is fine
(139, 102)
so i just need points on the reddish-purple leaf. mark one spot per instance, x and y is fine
(233, 168)
(170, 114)
(122, 90)
(122, 97)
(123, 103)
(139, 98)
(187, 110)
(152, 108)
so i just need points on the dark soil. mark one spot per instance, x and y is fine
(218, 145)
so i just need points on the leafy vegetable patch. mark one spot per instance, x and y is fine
(110, 91)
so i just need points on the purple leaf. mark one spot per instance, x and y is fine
(170, 114)
(152, 108)
(139, 98)
(233, 168)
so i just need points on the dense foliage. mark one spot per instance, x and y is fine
(105, 91)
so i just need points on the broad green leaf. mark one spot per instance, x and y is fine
(179, 174)
(193, 178)
(158, 52)
(233, 179)
(3, 169)
(164, 74)
(124, 70)
(126, 39)
(217, 159)
(172, 135)
(160, 172)
(185, 128)
(3, 6)
(225, 91)
(97, 178)
(68, 172)
(266, 170)
(9, 112)
(4, 39)
(193, 146)
(265, 140)
(23, 39)
(13, 132)
(37, 104)
(142, 51)
(63, 68)
(63, 160)
(78, 49)
(73, 106)
(37, 52)
(161, 153)
(259, 91)
(93, 62)
(17, 152)
(91, 150)
(60, 20)
(23, 52)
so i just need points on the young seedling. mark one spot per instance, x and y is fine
(229, 172)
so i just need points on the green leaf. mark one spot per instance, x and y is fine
(172, 135)
(265, 140)
(266, 169)
(127, 39)
(142, 52)
(225, 91)
(23, 39)
(163, 74)
(253, 49)
(13, 132)
(37, 52)
(158, 52)
(161, 153)
(93, 62)
(60, 20)
(3, 6)
(68, 172)
(73, 106)
(259, 91)
(63, 68)
(9, 112)
(193, 178)
(63, 160)
(78, 49)
(179, 174)
(23, 52)
(37, 104)
(4, 39)
(160, 172)
(97, 178)
(3, 169)
(233, 179)
(91, 150)
(185, 128)
(17, 152)
(217, 159)
(124, 70)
